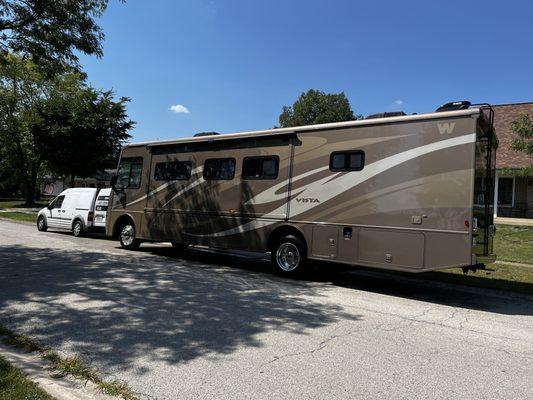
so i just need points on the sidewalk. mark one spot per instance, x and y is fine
(514, 221)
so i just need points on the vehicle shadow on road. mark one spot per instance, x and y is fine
(117, 309)
(413, 287)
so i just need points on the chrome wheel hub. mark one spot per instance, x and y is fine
(288, 257)
(127, 235)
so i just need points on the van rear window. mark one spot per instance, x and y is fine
(173, 171)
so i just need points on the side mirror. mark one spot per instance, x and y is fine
(49, 206)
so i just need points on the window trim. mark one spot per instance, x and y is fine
(171, 162)
(219, 159)
(345, 169)
(253, 178)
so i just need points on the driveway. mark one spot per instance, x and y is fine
(210, 325)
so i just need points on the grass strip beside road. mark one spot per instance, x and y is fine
(19, 216)
(15, 386)
(17, 203)
(497, 276)
(514, 243)
(73, 366)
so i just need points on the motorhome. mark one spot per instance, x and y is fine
(100, 207)
(402, 192)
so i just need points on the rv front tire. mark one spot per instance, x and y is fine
(127, 237)
(289, 255)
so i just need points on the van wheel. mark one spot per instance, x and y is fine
(77, 228)
(127, 237)
(41, 224)
(289, 255)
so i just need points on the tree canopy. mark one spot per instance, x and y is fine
(316, 107)
(60, 124)
(523, 129)
(51, 31)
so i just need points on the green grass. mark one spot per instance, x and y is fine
(514, 243)
(497, 276)
(73, 366)
(15, 386)
(19, 216)
(17, 203)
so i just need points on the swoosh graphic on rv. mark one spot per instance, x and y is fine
(165, 185)
(326, 189)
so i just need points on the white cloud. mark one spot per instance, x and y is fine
(398, 102)
(179, 109)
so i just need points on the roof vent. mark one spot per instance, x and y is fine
(453, 106)
(206, 134)
(386, 115)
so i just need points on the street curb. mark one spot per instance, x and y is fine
(35, 369)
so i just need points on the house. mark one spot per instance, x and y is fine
(513, 194)
(52, 186)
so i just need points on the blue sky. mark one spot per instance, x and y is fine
(232, 64)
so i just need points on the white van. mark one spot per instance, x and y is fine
(73, 209)
(100, 208)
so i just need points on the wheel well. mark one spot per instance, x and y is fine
(282, 231)
(74, 221)
(120, 222)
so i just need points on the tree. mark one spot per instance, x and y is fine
(60, 123)
(51, 31)
(523, 129)
(85, 130)
(316, 107)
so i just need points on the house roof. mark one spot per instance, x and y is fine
(504, 115)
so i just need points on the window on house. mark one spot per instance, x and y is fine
(264, 167)
(347, 160)
(219, 169)
(129, 173)
(505, 191)
(173, 171)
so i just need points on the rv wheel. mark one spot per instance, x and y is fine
(289, 255)
(41, 224)
(77, 228)
(127, 237)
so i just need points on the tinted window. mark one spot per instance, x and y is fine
(260, 167)
(173, 171)
(129, 173)
(347, 160)
(58, 202)
(219, 168)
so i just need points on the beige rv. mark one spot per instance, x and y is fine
(410, 193)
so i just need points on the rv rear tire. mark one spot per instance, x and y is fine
(289, 255)
(41, 224)
(127, 237)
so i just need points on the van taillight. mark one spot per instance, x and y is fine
(90, 217)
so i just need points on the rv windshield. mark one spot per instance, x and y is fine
(129, 173)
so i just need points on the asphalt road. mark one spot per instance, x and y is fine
(214, 326)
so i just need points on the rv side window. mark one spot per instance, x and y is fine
(129, 173)
(347, 160)
(173, 171)
(219, 169)
(265, 167)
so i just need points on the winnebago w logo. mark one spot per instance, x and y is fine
(446, 127)
(307, 200)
